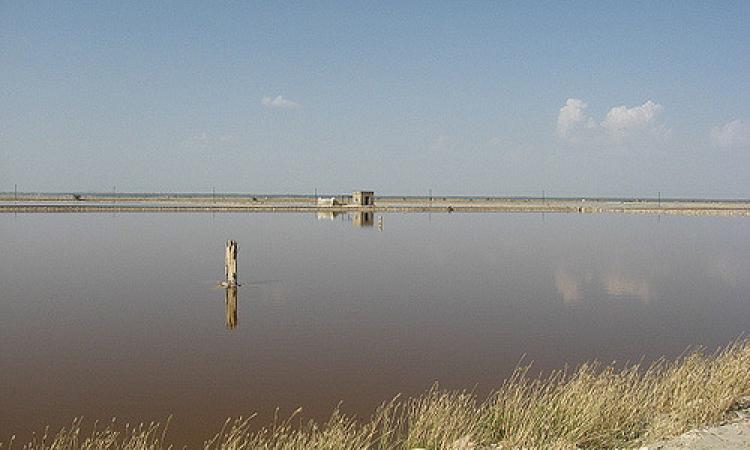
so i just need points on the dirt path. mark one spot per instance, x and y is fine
(733, 435)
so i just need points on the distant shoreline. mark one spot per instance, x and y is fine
(238, 203)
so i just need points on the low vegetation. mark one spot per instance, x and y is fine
(593, 406)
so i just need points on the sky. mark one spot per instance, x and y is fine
(464, 98)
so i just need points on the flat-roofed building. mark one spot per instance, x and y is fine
(363, 198)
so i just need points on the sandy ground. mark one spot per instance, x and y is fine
(732, 435)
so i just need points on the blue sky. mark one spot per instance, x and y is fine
(496, 98)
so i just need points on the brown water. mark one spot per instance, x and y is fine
(107, 315)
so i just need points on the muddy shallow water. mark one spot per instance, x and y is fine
(107, 315)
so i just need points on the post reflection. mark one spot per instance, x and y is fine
(230, 301)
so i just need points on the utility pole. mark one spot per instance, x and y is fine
(430, 197)
(659, 199)
(213, 194)
(15, 192)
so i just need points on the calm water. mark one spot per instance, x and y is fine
(107, 315)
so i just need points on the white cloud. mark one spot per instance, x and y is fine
(620, 124)
(732, 135)
(572, 118)
(280, 103)
(621, 119)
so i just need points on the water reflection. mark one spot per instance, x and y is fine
(363, 219)
(621, 285)
(568, 287)
(360, 328)
(230, 301)
(358, 218)
(328, 215)
(725, 269)
(573, 286)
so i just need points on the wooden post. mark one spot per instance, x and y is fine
(230, 263)
(231, 307)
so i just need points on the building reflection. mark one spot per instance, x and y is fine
(363, 218)
(230, 301)
(328, 215)
(358, 218)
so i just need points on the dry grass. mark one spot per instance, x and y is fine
(594, 406)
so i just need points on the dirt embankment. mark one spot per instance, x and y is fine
(392, 204)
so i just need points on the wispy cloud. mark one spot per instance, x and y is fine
(621, 123)
(206, 139)
(280, 103)
(496, 141)
(441, 142)
(735, 134)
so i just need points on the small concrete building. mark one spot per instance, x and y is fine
(363, 198)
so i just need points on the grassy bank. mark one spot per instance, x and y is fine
(593, 406)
